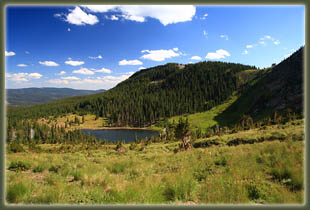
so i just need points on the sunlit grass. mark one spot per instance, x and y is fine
(268, 172)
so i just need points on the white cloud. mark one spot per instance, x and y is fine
(130, 62)
(9, 53)
(159, 55)
(74, 63)
(105, 82)
(58, 81)
(276, 42)
(262, 42)
(104, 70)
(141, 68)
(35, 75)
(22, 65)
(48, 63)
(197, 58)
(249, 46)
(61, 73)
(22, 77)
(113, 17)
(205, 33)
(218, 54)
(79, 17)
(245, 52)
(224, 36)
(204, 16)
(69, 29)
(176, 49)
(166, 14)
(96, 57)
(70, 78)
(84, 71)
(27, 52)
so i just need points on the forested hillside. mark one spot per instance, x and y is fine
(31, 96)
(275, 90)
(152, 94)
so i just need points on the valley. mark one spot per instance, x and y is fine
(229, 134)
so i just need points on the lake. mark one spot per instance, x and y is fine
(113, 135)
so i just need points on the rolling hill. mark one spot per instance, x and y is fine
(154, 94)
(31, 96)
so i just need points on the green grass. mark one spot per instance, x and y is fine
(269, 172)
(207, 119)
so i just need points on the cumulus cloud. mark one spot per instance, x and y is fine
(61, 73)
(95, 57)
(129, 62)
(249, 46)
(166, 14)
(84, 71)
(58, 81)
(197, 58)
(70, 78)
(141, 68)
(245, 52)
(48, 63)
(218, 54)
(105, 82)
(22, 77)
(276, 42)
(22, 65)
(78, 17)
(176, 49)
(74, 63)
(224, 36)
(159, 55)
(9, 53)
(104, 70)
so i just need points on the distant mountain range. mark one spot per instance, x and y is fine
(32, 96)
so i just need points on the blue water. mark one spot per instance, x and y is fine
(128, 135)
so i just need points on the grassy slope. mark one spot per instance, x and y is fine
(159, 175)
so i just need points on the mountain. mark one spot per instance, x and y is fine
(173, 89)
(153, 94)
(31, 96)
(276, 89)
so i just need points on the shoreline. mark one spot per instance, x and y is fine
(119, 128)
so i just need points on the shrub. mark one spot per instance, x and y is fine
(253, 192)
(77, 175)
(181, 189)
(15, 147)
(15, 192)
(201, 173)
(38, 169)
(19, 166)
(221, 162)
(54, 168)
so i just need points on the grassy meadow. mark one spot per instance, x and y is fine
(257, 166)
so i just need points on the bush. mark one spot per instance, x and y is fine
(253, 192)
(15, 192)
(19, 166)
(77, 175)
(54, 168)
(15, 147)
(38, 169)
(201, 173)
(183, 189)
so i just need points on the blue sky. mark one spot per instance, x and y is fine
(95, 47)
